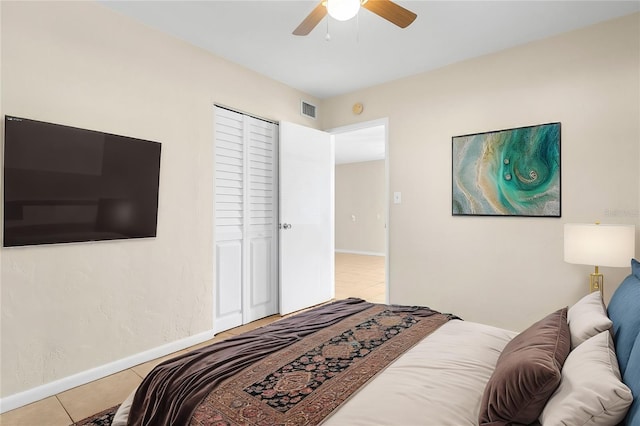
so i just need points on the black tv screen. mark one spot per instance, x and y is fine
(63, 184)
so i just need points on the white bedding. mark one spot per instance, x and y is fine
(439, 381)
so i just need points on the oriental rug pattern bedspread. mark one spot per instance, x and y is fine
(295, 371)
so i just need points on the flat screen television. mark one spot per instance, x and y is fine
(64, 184)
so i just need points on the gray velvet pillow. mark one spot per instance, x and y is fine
(527, 373)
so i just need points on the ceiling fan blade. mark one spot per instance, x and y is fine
(391, 11)
(311, 20)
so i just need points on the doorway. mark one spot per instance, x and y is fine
(362, 211)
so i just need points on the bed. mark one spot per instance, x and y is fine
(354, 363)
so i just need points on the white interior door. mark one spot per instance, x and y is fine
(306, 243)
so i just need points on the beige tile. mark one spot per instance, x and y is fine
(89, 399)
(350, 277)
(374, 284)
(360, 276)
(48, 412)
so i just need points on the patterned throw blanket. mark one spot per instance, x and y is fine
(295, 371)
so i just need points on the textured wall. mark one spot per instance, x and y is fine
(508, 271)
(69, 308)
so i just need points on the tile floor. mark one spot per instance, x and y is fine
(360, 276)
(356, 275)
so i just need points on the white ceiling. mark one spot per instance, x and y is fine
(367, 144)
(367, 50)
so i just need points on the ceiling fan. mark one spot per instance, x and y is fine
(344, 10)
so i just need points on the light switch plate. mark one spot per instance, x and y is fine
(397, 197)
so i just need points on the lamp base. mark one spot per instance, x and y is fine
(596, 282)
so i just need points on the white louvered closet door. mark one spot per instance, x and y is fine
(246, 283)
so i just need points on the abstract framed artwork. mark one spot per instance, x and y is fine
(513, 172)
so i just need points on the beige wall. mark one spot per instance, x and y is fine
(500, 270)
(69, 308)
(360, 193)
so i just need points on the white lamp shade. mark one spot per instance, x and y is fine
(343, 10)
(599, 245)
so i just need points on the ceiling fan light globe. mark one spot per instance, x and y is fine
(343, 10)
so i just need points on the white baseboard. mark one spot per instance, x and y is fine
(364, 253)
(52, 388)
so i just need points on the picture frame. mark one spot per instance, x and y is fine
(511, 172)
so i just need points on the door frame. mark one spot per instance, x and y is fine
(364, 125)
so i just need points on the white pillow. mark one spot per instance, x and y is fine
(590, 391)
(587, 318)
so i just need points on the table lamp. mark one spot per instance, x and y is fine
(599, 245)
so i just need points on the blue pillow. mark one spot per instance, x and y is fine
(632, 379)
(623, 311)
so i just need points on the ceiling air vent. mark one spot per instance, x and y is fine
(307, 109)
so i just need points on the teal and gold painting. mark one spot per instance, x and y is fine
(514, 172)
